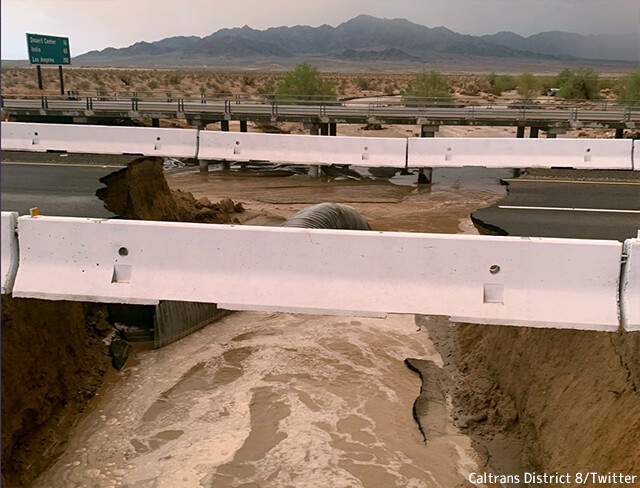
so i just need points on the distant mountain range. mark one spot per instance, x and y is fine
(365, 38)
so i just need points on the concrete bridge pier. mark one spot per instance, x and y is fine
(425, 176)
(333, 129)
(203, 165)
(533, 132)
(428, 130)
(553, 132)
(155, 122)
(224, 125)
(243, 126)
(520, 132)
(619, 133)
(314, 129)
(314, 171)
(324, 129)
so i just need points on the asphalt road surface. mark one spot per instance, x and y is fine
(62, 189)
(542, 207)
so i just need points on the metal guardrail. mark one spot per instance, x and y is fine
(378, 101)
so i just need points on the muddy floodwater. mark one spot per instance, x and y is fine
(284, 400)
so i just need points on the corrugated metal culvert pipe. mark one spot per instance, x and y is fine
(328, 216)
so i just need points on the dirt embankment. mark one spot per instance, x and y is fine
(54, 356)
(140, 192)
(572, 397)
(55, 353)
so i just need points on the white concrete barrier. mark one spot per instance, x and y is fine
(97, 139)
(630, 286)
(563, 283)
(356, 151)
(636, 155)
(520, 153)
(9, 251)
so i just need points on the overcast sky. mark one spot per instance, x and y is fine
(96, 24)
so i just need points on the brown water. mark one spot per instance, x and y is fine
(282, 400)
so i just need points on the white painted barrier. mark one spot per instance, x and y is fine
(356, 151)
(520, 153)
(630, 286)
(179, 143)
(636, 155)
(563, 283)
(9, 242)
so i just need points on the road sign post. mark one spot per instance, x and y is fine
(48, 50)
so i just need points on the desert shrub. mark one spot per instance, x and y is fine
(361, 83)
(174, 78)
(153, 84)
(248, 80)
(562, 78)
(427, 85)
(304, 82)
(528, 86)
(581, 84)
(630, 91)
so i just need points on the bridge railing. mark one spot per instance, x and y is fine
(376, 102)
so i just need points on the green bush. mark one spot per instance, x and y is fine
(581, 84)
(361, 83)
(427, 85)
(631, 89)
(499, 84)
(528, 86)
(304, 83)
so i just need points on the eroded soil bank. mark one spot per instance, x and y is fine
(54, 355)
(569, 399)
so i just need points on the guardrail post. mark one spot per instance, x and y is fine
(203, 98)
(227, 106)
(274, 108)
(371, 111)
(627, 114)
(44, 102)
(134, 102)
(89, 103)
(180, 105)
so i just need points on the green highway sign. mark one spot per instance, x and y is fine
(48, 49)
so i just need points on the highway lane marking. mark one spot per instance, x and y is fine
(82, 165)
(570, 209)
(635, 183)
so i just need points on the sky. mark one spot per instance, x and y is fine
(97, 24)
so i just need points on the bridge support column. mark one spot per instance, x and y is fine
(314, 129)
(224, 125)
(553, 132)
(425, 176)
(533, 133)
(314, 171)
(243, 126)
(155, 122)
(324, 129)
(520, 132)
(619, 133)
(428, 130)
(226, 165)
(333, 129)
(203, 165)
